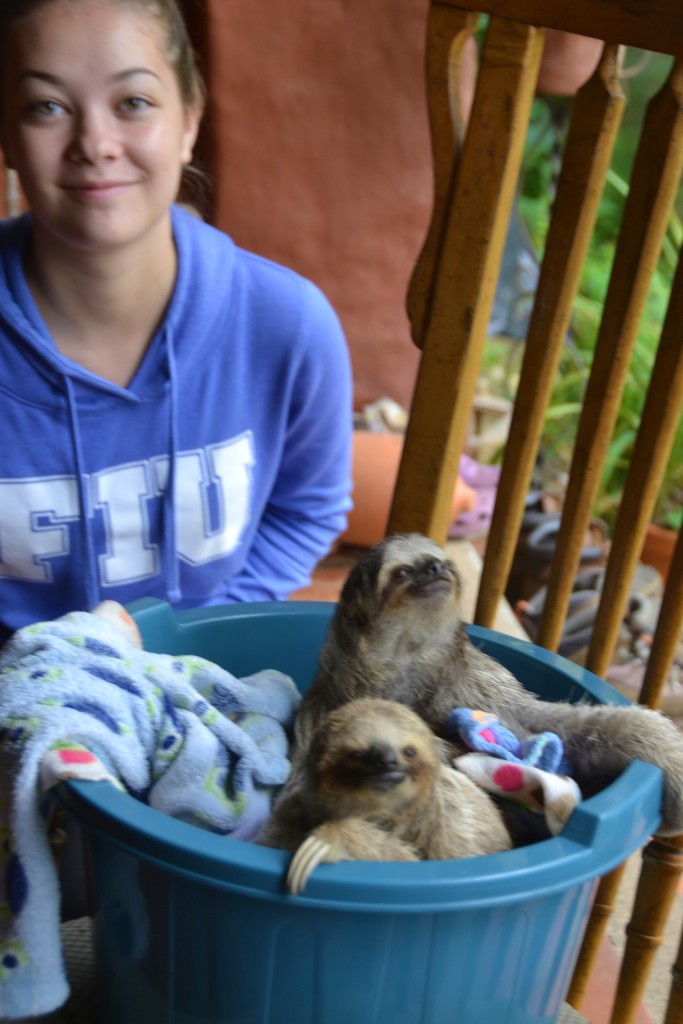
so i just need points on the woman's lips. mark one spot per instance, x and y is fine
(98, 190)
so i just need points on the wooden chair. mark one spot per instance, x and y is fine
(449, 303)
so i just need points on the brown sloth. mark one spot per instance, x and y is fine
(397, 634)
(375, 785)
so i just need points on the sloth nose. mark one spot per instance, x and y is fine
(381, 757)
(433, 570)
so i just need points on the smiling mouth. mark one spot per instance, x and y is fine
(384, 781)
(96, 189)
(373, 774)
(427, 587)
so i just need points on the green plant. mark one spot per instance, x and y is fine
(565, 406)
(536, 187)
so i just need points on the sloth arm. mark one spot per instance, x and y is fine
(344, 839)
(600, 740)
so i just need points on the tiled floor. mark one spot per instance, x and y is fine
(597, 1005)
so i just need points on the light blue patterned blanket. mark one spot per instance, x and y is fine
(80, 699)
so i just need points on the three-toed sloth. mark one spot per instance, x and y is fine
(397, 634)
(376, 784)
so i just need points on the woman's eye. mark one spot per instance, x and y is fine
(46, 108)
(133, 104)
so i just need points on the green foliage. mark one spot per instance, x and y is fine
(536, 188)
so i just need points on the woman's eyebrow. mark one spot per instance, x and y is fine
(129, 72)
(44, 76)
(47, 76)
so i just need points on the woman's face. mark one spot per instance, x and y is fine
(93, 123)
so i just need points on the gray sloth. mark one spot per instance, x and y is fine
(397, 634)
(375, 784)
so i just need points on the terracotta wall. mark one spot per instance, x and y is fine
(317, 137)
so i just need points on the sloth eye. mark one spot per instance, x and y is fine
(401, 572)
(409, 753)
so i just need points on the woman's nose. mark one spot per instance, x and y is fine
(95, 137)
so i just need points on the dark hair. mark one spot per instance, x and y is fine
(178, 47)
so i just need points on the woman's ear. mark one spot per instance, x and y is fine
(193, 116)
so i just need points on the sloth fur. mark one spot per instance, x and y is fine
(376, 785)
(397, 634)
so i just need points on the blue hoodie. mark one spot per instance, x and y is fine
(221, 473)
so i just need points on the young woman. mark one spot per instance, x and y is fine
(176, 412)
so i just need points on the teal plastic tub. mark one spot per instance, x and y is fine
(196, 928)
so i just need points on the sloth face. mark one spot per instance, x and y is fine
(415, 568)
(402, 595)
(375, 757)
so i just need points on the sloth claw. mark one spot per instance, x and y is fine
(306, 859)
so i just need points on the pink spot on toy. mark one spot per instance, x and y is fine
(76, 757)
(487, 735)
(509, 777)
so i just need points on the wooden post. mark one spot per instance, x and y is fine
(657, 888)
(603, 907)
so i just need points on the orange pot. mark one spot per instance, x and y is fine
(376, 458)
(659, 547)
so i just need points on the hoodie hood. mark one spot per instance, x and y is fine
(21, 317)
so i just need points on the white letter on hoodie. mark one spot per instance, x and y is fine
(33, 525)
(213, 491)
(122, 493)
(225, 468)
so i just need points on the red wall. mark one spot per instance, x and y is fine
(317, 137)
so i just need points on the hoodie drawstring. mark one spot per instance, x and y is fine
(92, 587)
(171, 564)
(170, 547)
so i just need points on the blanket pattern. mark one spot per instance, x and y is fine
(533, 770)
(482, 731)
(80, 699)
